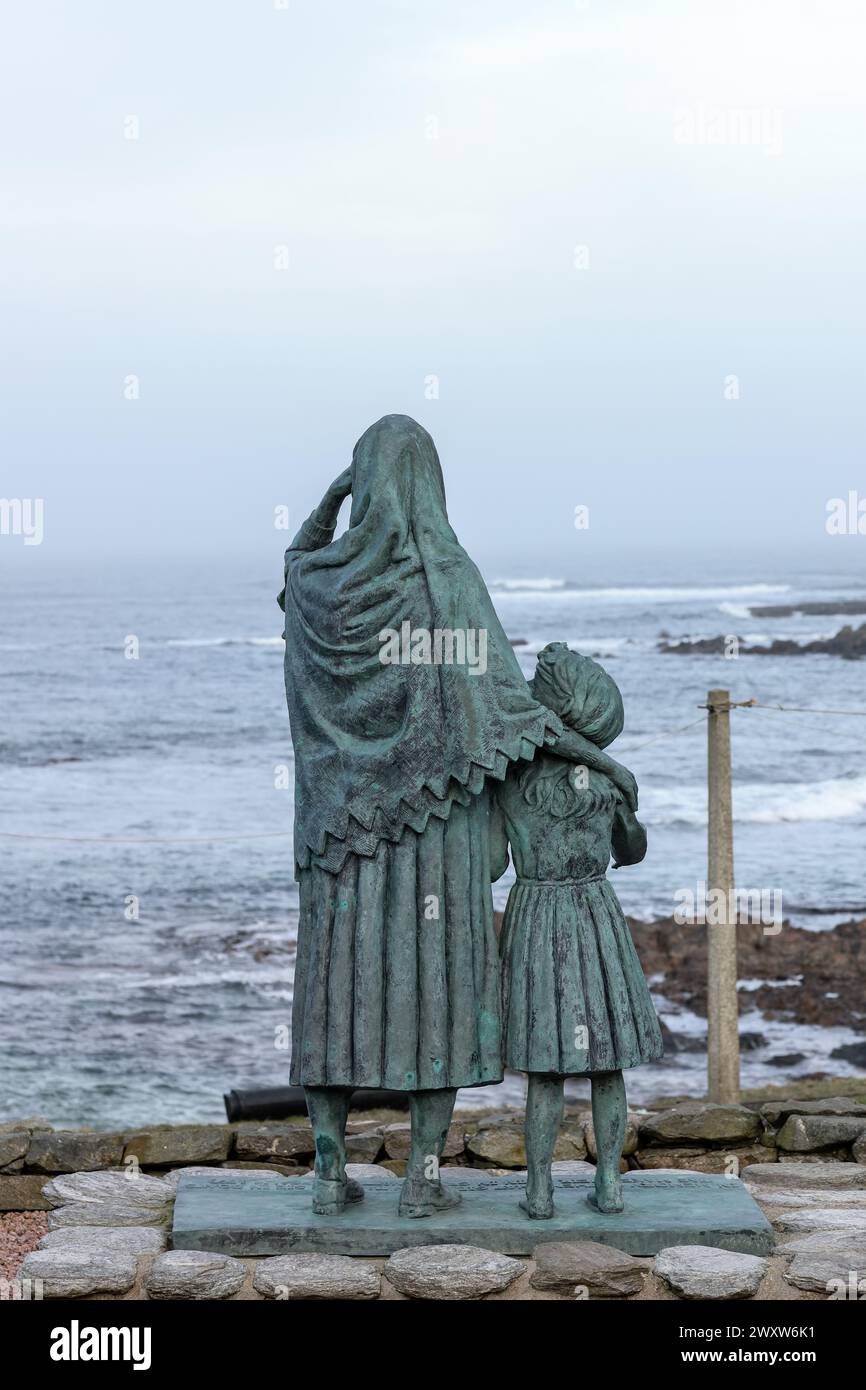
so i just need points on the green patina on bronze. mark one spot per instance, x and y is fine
(397, 979)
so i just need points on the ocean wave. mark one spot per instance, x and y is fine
(225, 641)
(761, 803)
(533, 584)
(602, 645)
(647, 594)
(744, 613)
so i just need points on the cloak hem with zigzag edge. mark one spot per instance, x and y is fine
(354, 837)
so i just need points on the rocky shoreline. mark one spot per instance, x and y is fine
(849, 643)
(823, 608)
(833, 962)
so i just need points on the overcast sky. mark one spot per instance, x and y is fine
(623, 239)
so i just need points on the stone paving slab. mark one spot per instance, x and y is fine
(256, 1216)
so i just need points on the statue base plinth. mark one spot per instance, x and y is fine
(264, 1214)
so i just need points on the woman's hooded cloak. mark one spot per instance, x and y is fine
(381, 745)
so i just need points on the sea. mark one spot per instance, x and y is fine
(148, 909)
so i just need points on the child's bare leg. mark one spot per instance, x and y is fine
(609, 1120)
(544, 1106)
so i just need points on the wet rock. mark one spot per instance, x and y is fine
(586, 1269)
(804, 1133)
(157, 1148)
(776, 1112)
(681, 1042)
(849, 642)
(68, 1151)
(702, 1271)
(713, 1123)
(818, 608)
(79, 1273)
(195, 1274)
(851, 1052)
(316, 1276)
(831, 961)
(786, 1059)
(450, 1272)
(697, 1042)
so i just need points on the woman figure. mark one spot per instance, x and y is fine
(397, 974)
(575, 1001)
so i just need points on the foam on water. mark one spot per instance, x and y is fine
(532, 585)
(760, 803)
(515, 589)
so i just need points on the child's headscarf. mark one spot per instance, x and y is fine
(580, 691)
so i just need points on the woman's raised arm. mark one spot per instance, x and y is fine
(318, 529)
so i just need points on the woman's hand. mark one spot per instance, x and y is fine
(340, 487)
(579, 749)
(625, 782)
(329, 508)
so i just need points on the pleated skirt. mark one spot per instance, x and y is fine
(397, 973)
(574, 997)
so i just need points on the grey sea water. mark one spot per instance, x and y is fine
(147, 903)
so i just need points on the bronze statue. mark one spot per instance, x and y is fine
(399, 728)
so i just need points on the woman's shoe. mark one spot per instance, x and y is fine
(330, 1195)
(426, 1198)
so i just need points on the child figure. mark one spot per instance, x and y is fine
(575, 1000)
